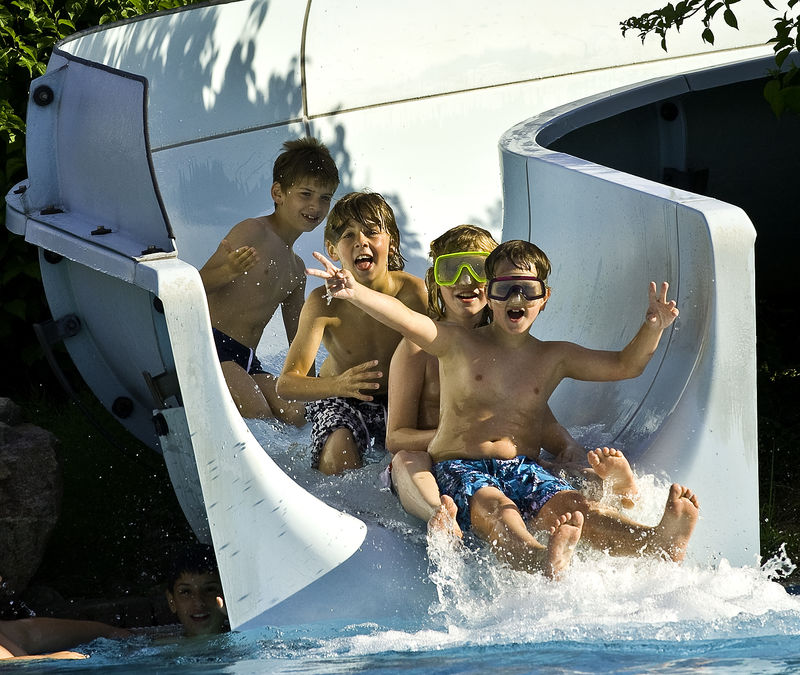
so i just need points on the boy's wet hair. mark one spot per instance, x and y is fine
(458, 239)
(194, 559)
(305, 158)
(521, 254)
(370, 209)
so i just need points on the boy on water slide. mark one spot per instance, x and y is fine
(495, 382)
(456, 285)
(255, 269)
(347, 402)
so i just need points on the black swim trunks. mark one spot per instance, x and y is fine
(229, 349)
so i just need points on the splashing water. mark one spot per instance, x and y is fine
(606, 615)
(602, 603)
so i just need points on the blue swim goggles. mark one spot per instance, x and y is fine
(447, 269)
(530, 287)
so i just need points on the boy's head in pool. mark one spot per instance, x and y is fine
(194, 592)
(458, 239)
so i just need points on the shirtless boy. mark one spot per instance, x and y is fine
(194, 592)
(495, 382)
(255, 269)
(456, 285)
(347, 401)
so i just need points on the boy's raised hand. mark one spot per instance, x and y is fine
(241, 259)
(363, 376)
(660, 313)
(339, 283)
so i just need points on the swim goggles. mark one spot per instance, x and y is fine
(447, 268)
(502, 288)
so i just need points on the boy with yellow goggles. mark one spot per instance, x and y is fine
(447, 268)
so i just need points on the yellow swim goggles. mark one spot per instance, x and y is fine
(447, 268)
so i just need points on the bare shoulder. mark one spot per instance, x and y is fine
(407, 351)
(411, 290)
(556, 350)
(316, 306)
(246, 227)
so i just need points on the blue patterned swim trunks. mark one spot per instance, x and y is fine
(521, 479)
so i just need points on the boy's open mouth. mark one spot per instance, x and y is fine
(515, 314)
(467, 296)
(363, 262)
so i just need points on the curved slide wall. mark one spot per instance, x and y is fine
(692, 415)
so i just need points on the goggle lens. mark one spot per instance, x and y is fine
(447, 269)
(502, 288)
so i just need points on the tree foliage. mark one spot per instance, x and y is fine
(781, 91)
(28, 31)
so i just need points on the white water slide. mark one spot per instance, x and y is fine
(148, 140)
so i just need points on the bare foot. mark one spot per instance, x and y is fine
(677, 523)
(564, 536)
(610, 464)
(444, 520)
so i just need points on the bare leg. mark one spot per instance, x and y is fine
(611, 465)
(444, 518)
(246, 394)
(255, 396)
(339, 453)
(564, 537)
(677, 524)
(497, 520)
(290, 412)
(609, 530)
(415, 485)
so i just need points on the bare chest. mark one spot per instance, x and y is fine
(354, 337)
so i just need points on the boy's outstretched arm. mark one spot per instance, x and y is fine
(390, 311)
(297, 382)
(589, 364)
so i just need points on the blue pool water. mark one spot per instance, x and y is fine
(604, 618)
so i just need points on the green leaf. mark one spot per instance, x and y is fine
(780, 57)
(770, 5)
(708, 36)
(791, 98)
(730, 19)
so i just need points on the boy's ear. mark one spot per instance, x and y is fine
(330, 249)
(546, 298)
(277, 193)
(170, 601)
